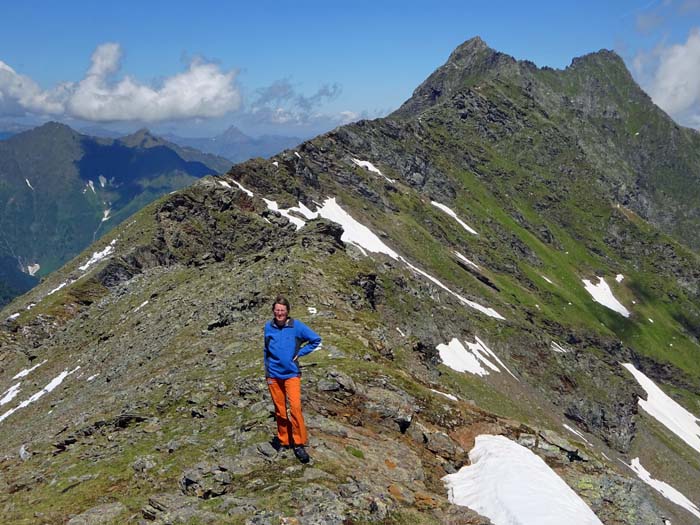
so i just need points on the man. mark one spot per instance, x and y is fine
(286, 340)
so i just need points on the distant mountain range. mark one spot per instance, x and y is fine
(232, 144)
(60, 190)
(236, 146)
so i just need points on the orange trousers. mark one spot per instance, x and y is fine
(291, 429)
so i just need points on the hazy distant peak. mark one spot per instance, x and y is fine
(142, 138)
(56, 131)
(233, 134)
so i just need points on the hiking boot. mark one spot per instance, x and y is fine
(277, 444)
(301, 454)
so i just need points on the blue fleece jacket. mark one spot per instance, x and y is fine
(283, 344)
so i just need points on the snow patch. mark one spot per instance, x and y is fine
(452, 214)
(29, 184)
(448, 396)
(33, 268)
(34, 397)
(92, 186)
(225, 184)
(13, 316)
(26, 371)
(577, 433)
(476, 306)
(547, 279)
(276, 164)
(103, 180)
(666, 490)
(30, 306)
(106, 215)
(510, 485)
(651, 320)
(558, 348)
(10, 394)
(619, 277)
(312, 310)
(457, 357)
(297, 154)
(93, 376)
(98, 256)
(140, 306)
(62, 285)
(272, 205)
(399, 331)
(666, 411)
(371, 167)
(354, 232)
(602, 294)
(243, 189)
(470, 263)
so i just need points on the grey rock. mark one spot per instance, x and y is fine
(143, 463)
(205, 481)
(235, 505)
(24, 453)
(527, 440)
(101, 514)
(441, 444)
(266, 449)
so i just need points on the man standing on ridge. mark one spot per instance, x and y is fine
(286, 340)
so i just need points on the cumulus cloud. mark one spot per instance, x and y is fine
(203, 90)
(671, 75)
(19, 94)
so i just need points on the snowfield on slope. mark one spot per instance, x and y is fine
(457, 357)
(371, 167)
(602, 294)
(666, 490)
(98, 256)
(452, 214)
(55, 382)
(666, 411)
(511, 485)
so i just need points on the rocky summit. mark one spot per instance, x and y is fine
(512, 253)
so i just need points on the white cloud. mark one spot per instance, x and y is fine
(348, 116)
(671, 75)
(203, 90)
(20, 94)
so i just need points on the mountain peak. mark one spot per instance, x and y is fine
(233, 134)
(54, 130)
(142, 138)
(598, 57)
(469, 62)
(470, 48)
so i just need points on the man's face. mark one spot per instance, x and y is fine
(280, 313)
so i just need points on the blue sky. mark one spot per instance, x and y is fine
(299, 68)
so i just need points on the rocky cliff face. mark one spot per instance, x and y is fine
(133, 375)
